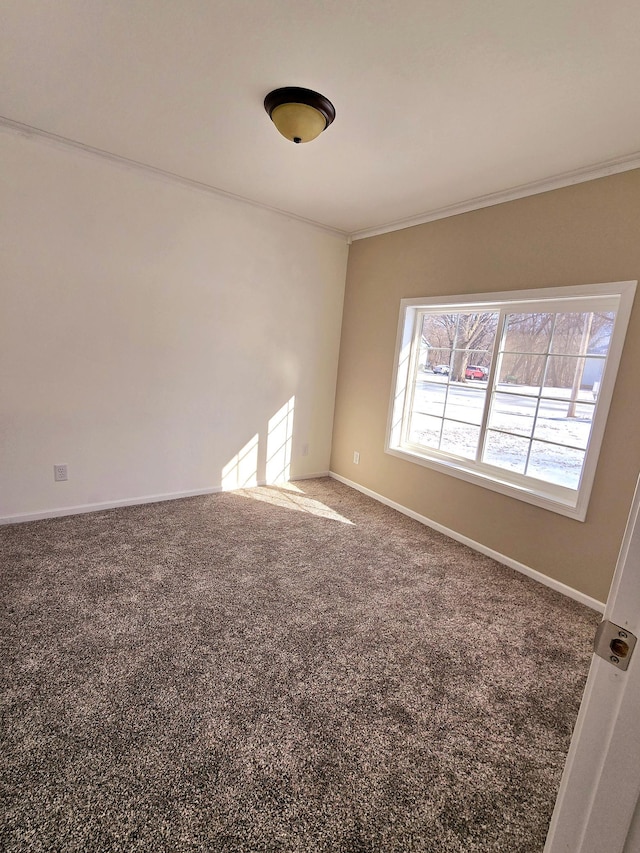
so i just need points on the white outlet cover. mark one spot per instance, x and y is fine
(60, 473)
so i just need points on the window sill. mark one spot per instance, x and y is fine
(572, 508)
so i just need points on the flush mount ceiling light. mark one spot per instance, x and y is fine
(299, 114)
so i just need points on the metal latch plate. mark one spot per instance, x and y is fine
(614, 644)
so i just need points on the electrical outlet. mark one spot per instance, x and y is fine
(60, 473)
(305, 449)
(356, 457)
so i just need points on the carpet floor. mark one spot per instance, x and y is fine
(278, 670)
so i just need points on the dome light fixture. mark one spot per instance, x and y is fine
(299, 114)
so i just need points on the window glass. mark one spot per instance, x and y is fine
(450, 383)
(506, 451)
(564, 423)
(555, 464)
(510, 392)
(425, 430)
(460, 439)
(513, 413)
(528, 333)
(521, 372)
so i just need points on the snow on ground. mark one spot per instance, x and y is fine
(526, 433)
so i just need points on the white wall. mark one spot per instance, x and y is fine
(149, 330)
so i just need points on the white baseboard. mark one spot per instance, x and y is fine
(569, 591)
(97, 507)
(310, 476)
(145, 499)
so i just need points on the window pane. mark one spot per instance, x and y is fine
(425, 430)
(571, 333)
(601, 331)
(512, 413)
(522, 371)
(528, 332)
(438, 334)
(473, 340)
(564, 377)
(563, 423)
(582, 333)
(481, 357)
(592, 375)
(461, 439)
(439, 329)
(465, 404)
(476, 331)
(438, 360)
(506, 451)
(560, 465)
(429, 396)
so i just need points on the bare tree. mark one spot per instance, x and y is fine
(542, 347)
(460, 335)
(532, 356)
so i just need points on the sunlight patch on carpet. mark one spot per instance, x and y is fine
(291, 497)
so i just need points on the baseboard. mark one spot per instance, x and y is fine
(97, 507)
(145, 499)
(569, 591)
(310, 476)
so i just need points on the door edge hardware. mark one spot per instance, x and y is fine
(614, 644)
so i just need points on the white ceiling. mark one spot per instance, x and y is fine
(439, 102)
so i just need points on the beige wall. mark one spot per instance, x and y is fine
(148, 331)
(583, 234)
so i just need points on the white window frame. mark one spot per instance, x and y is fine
(611, 296)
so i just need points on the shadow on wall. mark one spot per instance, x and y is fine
(242, 470)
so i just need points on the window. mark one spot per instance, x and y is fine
(510, 390)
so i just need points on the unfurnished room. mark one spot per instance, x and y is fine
(319, 445)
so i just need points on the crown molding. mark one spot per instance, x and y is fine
(566, 179)
(25, 130)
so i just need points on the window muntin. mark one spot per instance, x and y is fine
(543, 358)
(507, 390)
(444, 414)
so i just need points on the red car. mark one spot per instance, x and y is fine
(474, 371)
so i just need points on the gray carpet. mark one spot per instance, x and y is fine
(249, 672)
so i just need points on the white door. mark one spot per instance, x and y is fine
(598, 810)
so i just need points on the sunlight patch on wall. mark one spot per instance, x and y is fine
(291, 497)
(242, 470)
(279, 441)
